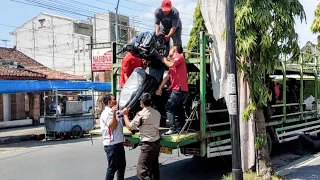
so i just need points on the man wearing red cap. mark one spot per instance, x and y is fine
(167, 19)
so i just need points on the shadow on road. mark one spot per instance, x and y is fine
(305, 172)
(35, 143)
(194, 168)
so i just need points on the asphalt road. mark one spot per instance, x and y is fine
(79, 160)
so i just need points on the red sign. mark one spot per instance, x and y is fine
(102, 59)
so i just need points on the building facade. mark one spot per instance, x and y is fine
(60, 43)
(24, 108)
(104, 28)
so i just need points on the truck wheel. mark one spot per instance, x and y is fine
(76, 131)
(269, 142)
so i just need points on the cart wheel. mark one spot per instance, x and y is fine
(76, 131)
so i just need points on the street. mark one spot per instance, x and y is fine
(78, 159)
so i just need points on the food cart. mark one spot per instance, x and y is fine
(65, 116)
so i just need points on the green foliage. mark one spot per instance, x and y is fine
(198, 26)
(265, 31)
(315, 27)
(251, 109)
(307, 56)
(193, 43)
(261, 140)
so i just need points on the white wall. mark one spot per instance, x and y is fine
(101, 28)
(56, 46)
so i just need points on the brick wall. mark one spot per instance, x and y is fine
(13, 107)
(36, 109)
(18, 106)
(1, 108)
(104, 76)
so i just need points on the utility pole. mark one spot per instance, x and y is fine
(52, 43)
(233, 93)
(91, 44)
(34, 41)
(74, 55)
(95, 29)
(78, 48)
(117, 33)
(5, 41)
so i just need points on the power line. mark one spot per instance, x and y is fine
(5, 41)
(65, 9)
(132, 8)
(155, 7)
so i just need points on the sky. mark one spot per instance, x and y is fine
(14, 13)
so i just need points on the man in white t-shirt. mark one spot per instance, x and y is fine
(112, 133)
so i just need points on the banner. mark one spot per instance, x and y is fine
(102, 59)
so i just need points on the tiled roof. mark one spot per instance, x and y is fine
(10, 73)
(56, 75)
(34, 66)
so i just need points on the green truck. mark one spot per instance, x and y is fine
(207, 129)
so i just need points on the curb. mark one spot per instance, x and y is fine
(16, 139)
(285, 170)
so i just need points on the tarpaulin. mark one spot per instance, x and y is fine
(21, 86)
(214, 15)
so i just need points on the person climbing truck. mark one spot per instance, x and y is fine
(129, 63)
(168, 22)
(178, 89)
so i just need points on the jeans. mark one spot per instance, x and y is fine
(116, 161)
(174, 104)
(148, 163)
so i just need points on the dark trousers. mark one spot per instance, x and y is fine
(176, 38)
(116, 161)
(174, 104)
(148, 163)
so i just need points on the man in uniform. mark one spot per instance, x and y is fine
(112, 133)
(148, 122)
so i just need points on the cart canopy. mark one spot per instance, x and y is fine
(22, 86)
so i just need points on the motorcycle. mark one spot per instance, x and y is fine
(152, 48)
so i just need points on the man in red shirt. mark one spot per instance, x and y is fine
(129, 63)
(178, 89)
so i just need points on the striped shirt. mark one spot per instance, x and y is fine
(110, 137)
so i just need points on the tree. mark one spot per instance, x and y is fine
(198, 26)
(265, 32)
(315, 27)
(193, 43)
(307, 55)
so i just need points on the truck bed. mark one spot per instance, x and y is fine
(172, 141)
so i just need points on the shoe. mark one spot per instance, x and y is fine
(170, 132)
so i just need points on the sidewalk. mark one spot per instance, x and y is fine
(13, 135)
(307, 168)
